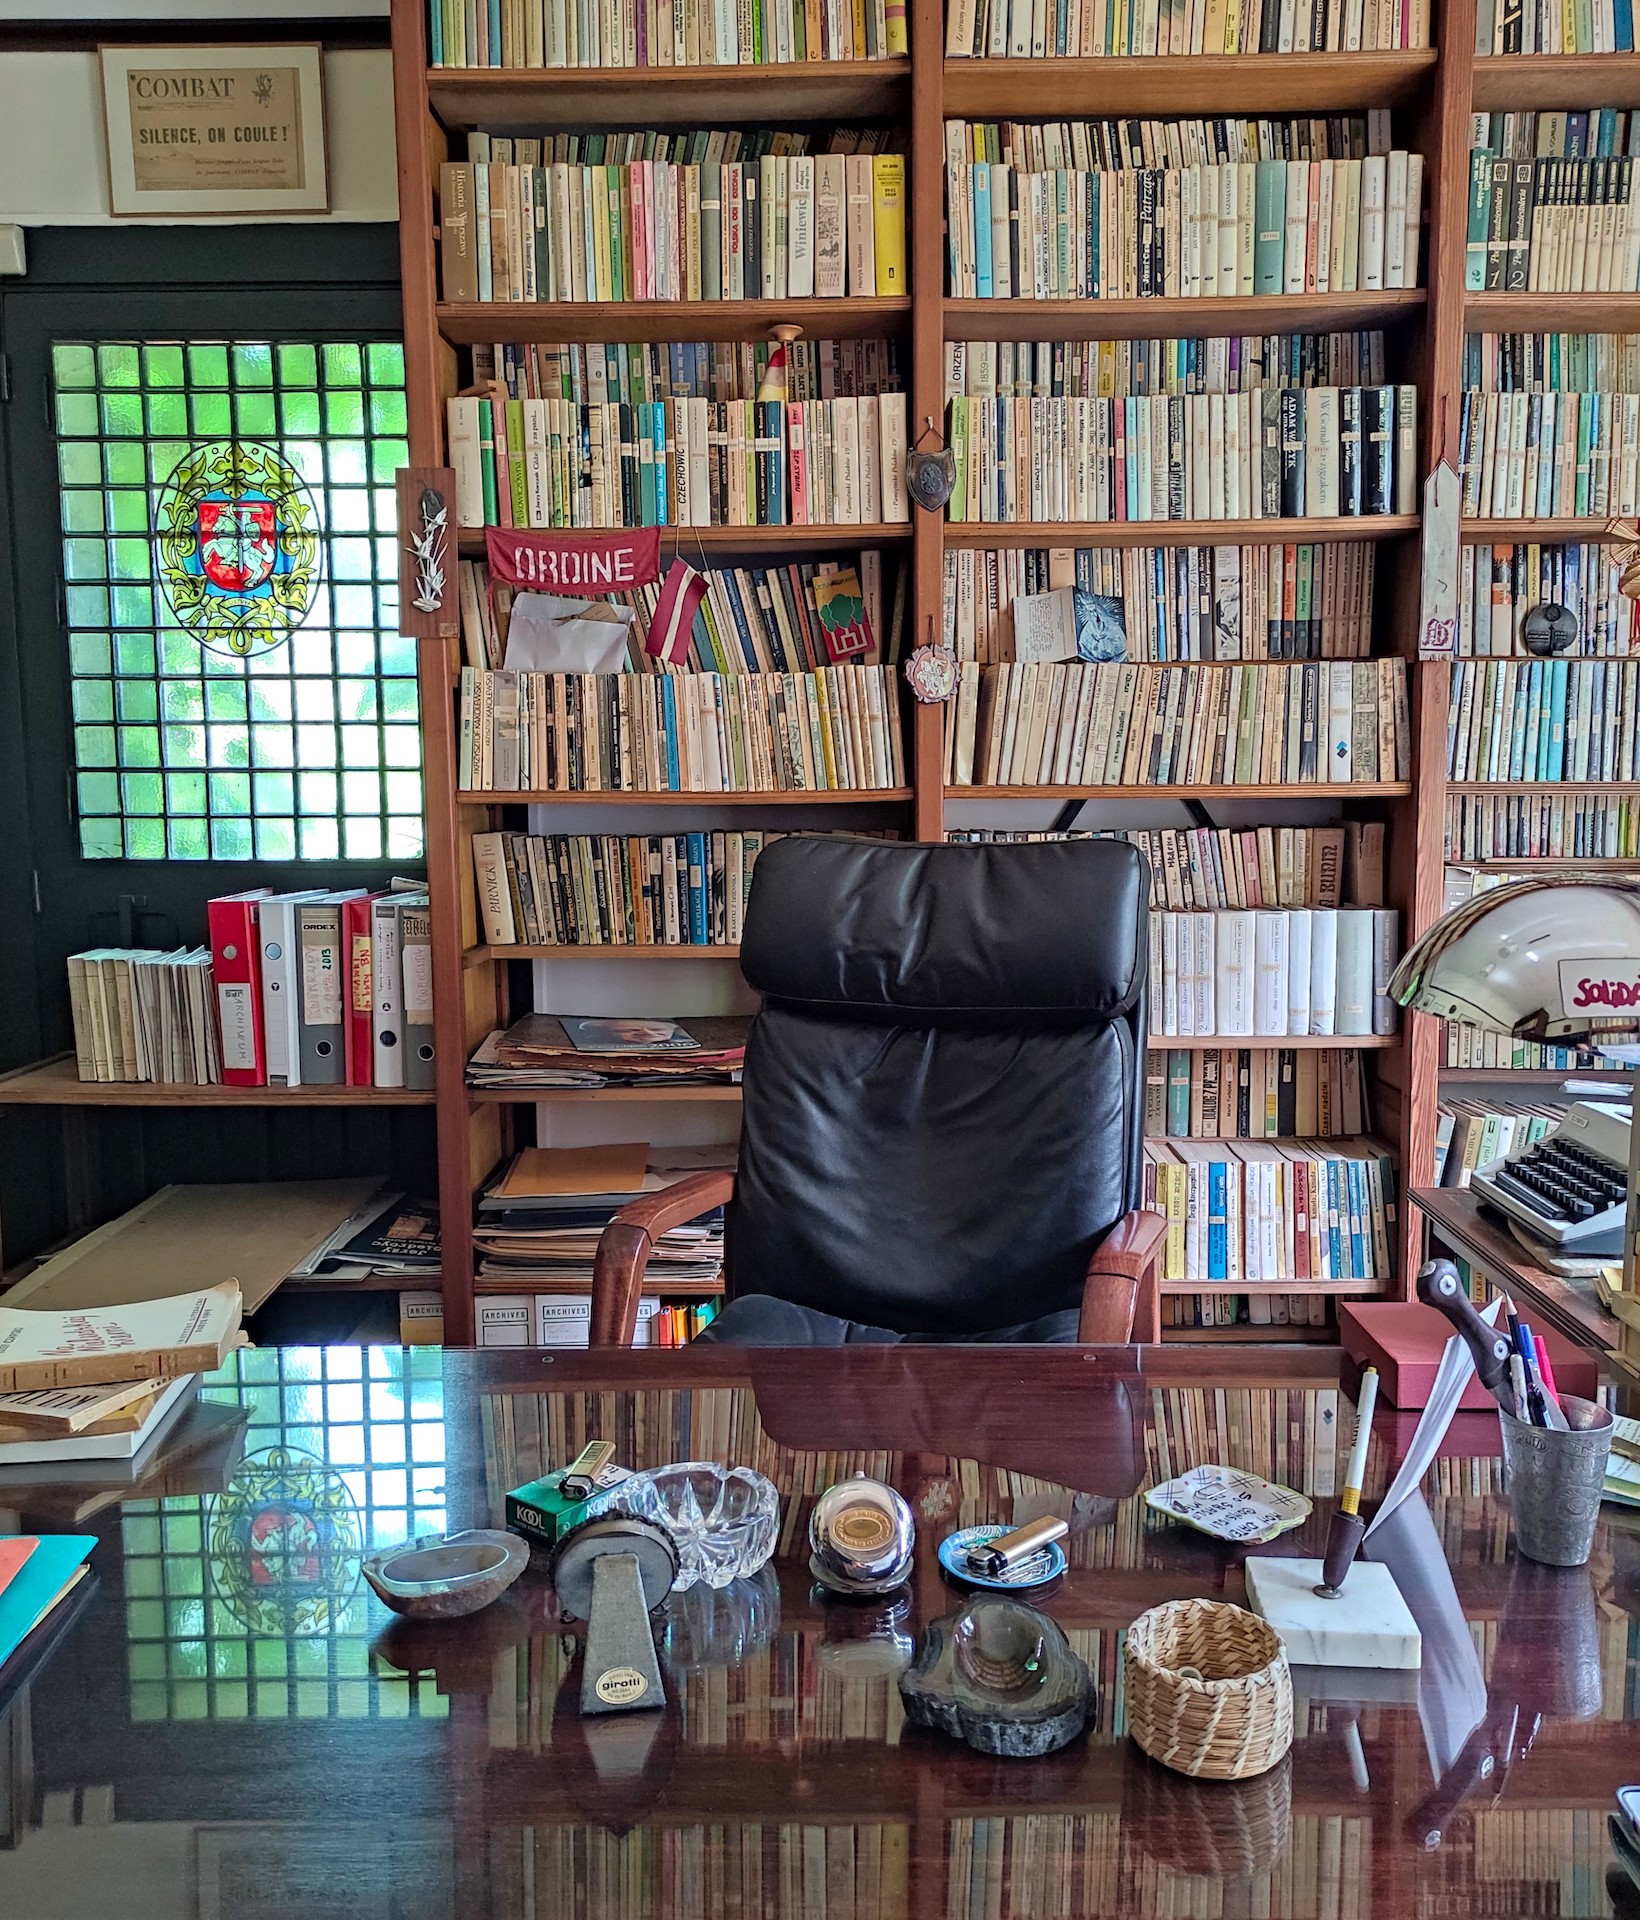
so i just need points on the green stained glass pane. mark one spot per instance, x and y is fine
(79, 463)
(131, 607)
(298, 365)
(89, 653)
(274, 792)
(93, 700)
(144, 839)
(343, 364)
(94, 747)
(299, 412)
(348, 465)
(133, 653)
(187, 839)
(231, 840)
(119, 366)
(86, 606)
(398, 655)
(255, 415)
(122, 413)
(130, 560)
(207, 366)
(385, 359)
(99, 793)
(357, 700)
(139, 746)
(73, 365)
(253, 365)
(185, 793)
(184, 746)
(85, 560)
(82, 510)
(142, 793)
(270, 700)
(276, 839)
(127, 510)
(125, 463)
(386, 457)
(225, 699)
(167, 415)
(229, 746)
(164, 456)
(163, 366)
(230, 793)
(77, 414)
(101, 840)
(182, 700)
(212, 415)
(388, 413)
(139, 700)
(308, 459)
(344, 412)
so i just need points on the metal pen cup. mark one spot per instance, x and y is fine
(1554, 1482)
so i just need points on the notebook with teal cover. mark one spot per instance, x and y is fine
(37, 1583)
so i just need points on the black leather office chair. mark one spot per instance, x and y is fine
(944, 1103)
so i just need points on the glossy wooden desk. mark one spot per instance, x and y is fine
(232, 1728)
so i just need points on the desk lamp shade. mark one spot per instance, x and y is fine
(1546, 959)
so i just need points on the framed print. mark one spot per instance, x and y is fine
(214, 130)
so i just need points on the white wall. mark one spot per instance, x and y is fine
(53, 155)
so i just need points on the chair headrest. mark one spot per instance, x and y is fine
(1052, 929)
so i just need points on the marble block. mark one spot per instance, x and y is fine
(1368, 1624)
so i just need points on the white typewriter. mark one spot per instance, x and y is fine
(1570, 1190)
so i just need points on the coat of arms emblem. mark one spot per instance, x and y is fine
(238, 546)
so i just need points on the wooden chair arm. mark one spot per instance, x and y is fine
(624, 1247)
(1121, 1297)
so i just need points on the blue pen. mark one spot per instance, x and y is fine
(1534, 1390)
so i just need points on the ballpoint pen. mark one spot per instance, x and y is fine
(1534, 1392)
(1347, 1527)
(1545, 1367)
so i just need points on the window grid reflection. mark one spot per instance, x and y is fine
(375, 1416)
(310, 750)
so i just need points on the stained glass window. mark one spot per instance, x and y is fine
(249, 1603)
(309, 749)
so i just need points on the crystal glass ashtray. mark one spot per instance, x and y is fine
(723, 1520)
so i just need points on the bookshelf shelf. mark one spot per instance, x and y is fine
(1537, 1076)
(1512, 82)
(562, 97)
(653, 1289)
(1361, 789)
(1545, 312)
(478, 322)
(56, 1083)
(1531, 532)
(480, 956)
(583, 1096)
(1173, 533)
(1535, 789)
(1175, 1043)
(1354, 1288)
(692, 540)
(1159, 319)
(1186, 83)
(1242, 1335)
(844, 796)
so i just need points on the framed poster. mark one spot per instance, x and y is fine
(214, 130)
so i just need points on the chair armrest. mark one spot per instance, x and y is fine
(624, 1245)
(1121, 1297)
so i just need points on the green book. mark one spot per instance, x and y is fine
(618, 254)
(1178, 1093)
(517, 479)
(486, 461)
(1480, 214)
(1270, 226)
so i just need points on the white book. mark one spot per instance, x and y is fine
(1204, 972)
(281, 1000)
(465, 459)
(1270, 972)
(141, 1340)
(1169, 1002)
(1386, 951)
(891, 423)
(1373, 202)
(1410, 244)
(1321, 451)
(829, 216)
(1297, 228)
(1354, 991)
(45, 1450)
(1235, 937)
(1299, 946)
(1395, 218)
(1323, 969)
(800, 229)
(1340, 720)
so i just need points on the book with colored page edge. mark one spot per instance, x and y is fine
(143, 1340)
(35, 1587)
(1230, 1504)
(57, 1411)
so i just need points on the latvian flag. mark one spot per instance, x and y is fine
(674, 620)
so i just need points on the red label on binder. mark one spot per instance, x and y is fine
(579, 563)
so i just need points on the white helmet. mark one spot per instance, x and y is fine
(1544, 959)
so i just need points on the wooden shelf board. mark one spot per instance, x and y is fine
(56, 1083)
(1190, 83)
(1356, 790)
(1350, 1287)
(1544, 312)
(1537, 1076)
(1511, 82)
(504, 97)
(1611, 863)
(580, 1096)
(1243, 1333)
(840, 796)
(476, 322)
(1175, 1043)
(1174, 533)
(1533, 789)
(879, 533)
(1534, 532)
(481, 956)
(1157, 319)
(653, 1289)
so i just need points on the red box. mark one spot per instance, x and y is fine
(1404, 1340)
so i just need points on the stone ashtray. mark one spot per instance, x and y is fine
(445, 1575)
(1002, 1677)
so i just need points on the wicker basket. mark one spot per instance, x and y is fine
(1228, 1719)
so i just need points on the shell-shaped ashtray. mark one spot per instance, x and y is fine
(442, 1576)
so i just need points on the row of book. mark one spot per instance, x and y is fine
(1499, 586)
(1283, 453)
(1474, 1133)
(1214, 1310)
(1133, 145)
(312, 988)
(752, 619)
(679, 463)
(1525, 456)
(1511, 720)
(1300, 602)
(1240, 229)
(829, 730)
(648, 33)
(1307, 1212)
(1328, 723)
(1245, 973)
(787, 226)
(1550, 205)
(1552, 362)
(1088, 29)
(615, 890)
(1466, 1046)
(1254, 1093)
(1551, 26)
(1546, 826)
(1105, 369)
(593, 372)
(1211, 868)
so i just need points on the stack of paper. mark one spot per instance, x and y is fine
(611, 1050)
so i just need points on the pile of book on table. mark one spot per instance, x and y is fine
(295, 989)
(611, 1050)
(90, 1394)
(37, 1573)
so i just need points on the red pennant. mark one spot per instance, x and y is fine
(584, 563)
(674, 619)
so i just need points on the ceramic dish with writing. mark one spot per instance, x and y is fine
(1229, 1504)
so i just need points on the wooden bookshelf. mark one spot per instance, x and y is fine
(585, 1096)
(1433, 93)
(1173, 1043)
(1535, 1076)
(1533, 532)
(57, 1083)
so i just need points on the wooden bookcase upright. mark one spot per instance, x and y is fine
(1433, 92)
